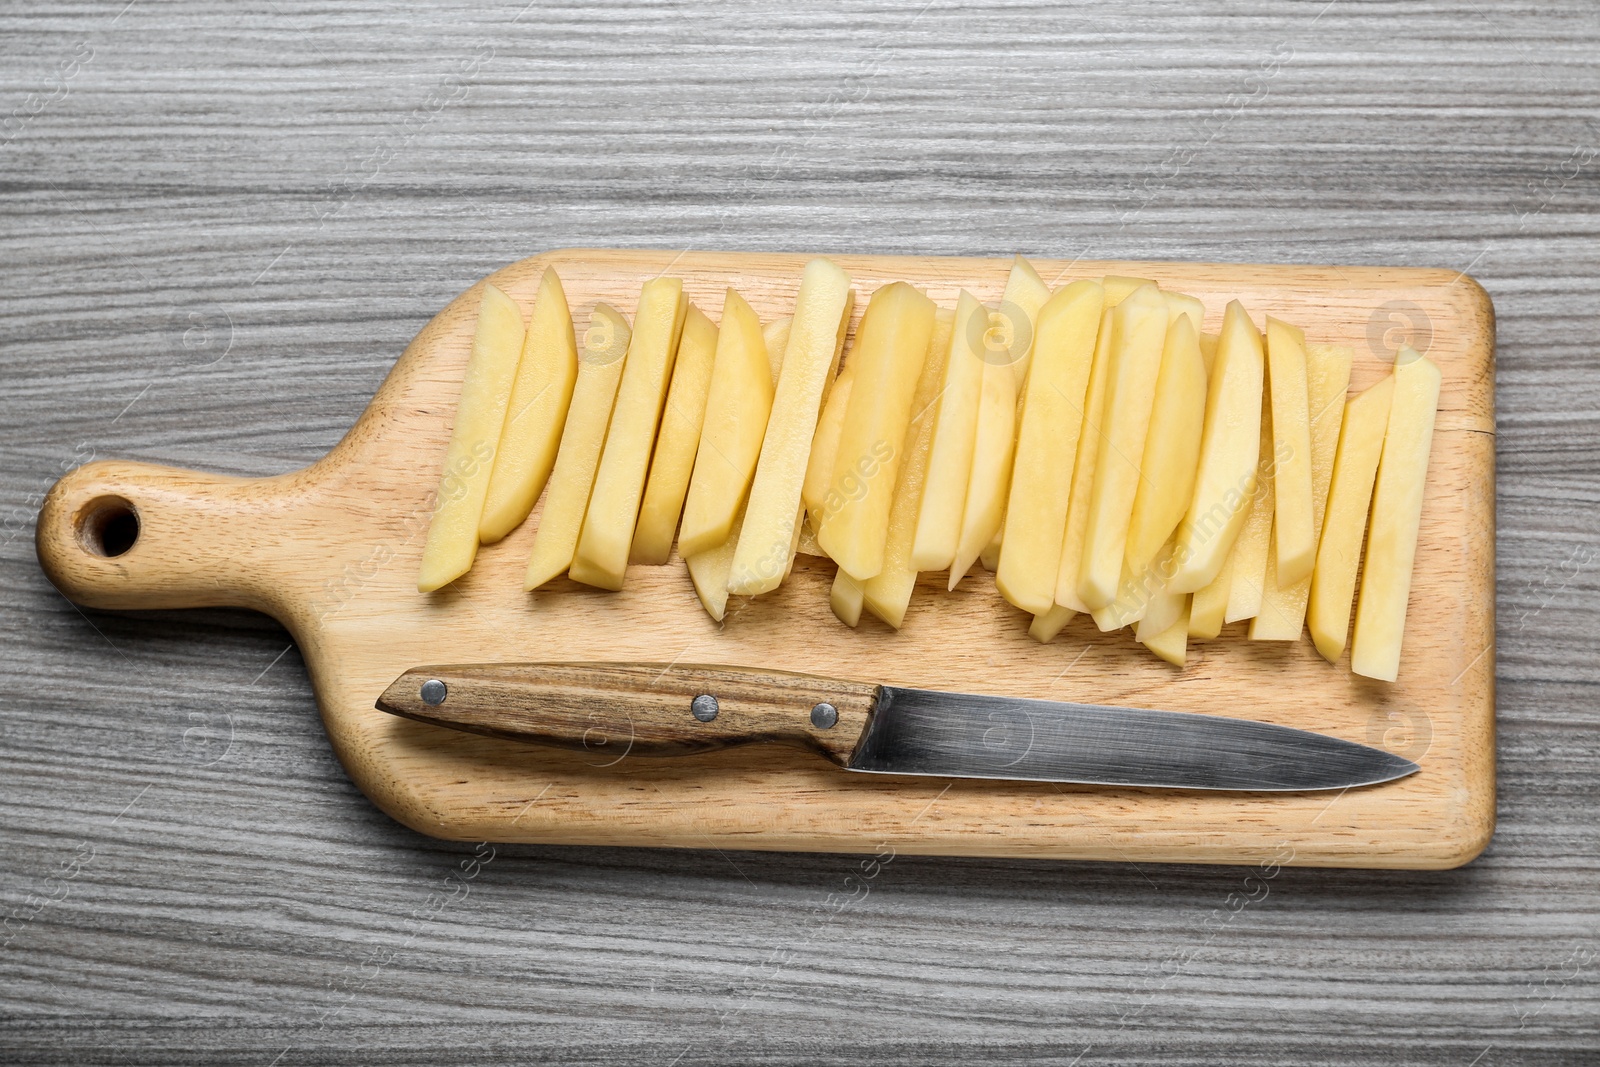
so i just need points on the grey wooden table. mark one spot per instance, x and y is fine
(221, 224)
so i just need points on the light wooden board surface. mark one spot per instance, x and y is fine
(220, 231)
(333, 552)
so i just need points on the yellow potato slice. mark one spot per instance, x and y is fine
(776, 336)
(1229, 450)
(885, 366)
(737, 405)
(1047, 447)
(1208, 352)
(1255, 539)
(1210, 603)
(469, 460)
(1294, 533)
(1118, 289)
(1172, 644)
(888, 593)
(1187, 306)
(824, 450)
(1177, 421)
(1138, 336)
(1396, 518)
(1283, 607)
(536, 415)
(822, 315)
(954, 439)
(605, 348)
(1083, 467)
(846, 598)
(709, 572)
(1355, 468)
(602, 556)
(678, 441)
(1006, 350)
(1047, 625)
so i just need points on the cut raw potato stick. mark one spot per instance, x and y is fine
(1167, 472)
(1118, 289)
(1047, 447)
(678, 441)
(954, 438)
(1089, 438)
(605, 348)
(822, 315)
(1396, 518)
(1172, 644)
(808, 542)
(888, 593)
(1045, 627)
(1138, 336)
(1255, 539)
(1283, 608)
(886, 364)
(815, 490)
(776, 336)
(737, 405)
(1210, 604)
(1229, 450)
(537, 413)
(469, 460)
(1006, 348)
(989, 558)
(846, 598)
(1294, 533)
(1161, 611)
(1208, 351)
(602, 556)
(1188, 307)
(709, 572)
(1355, 468)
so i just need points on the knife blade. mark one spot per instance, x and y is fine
(614, 710)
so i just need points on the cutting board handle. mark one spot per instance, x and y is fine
(117, 534)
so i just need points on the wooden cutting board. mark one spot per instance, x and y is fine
(332, 552)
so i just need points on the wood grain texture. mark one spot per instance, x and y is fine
(332, 553)
(219, 232)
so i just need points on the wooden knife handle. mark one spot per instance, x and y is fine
(644, 709)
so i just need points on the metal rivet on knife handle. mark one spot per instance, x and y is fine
(434, 692)
(704, 707)
(824, 716)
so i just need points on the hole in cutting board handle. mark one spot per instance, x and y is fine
(108, 526)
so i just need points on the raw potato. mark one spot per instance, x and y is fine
(737, 405)
(1118, 289)
(1047, 447)
(605, 347)
(678, 442)
(1089, 438)
(1396, 518)
(776, 336)
(1294, 534)
(885, 366)
(822, 314)
(1283, 608)
(1045, 627)
(1210, 603)
(1229, 450)
(1167, 472)
(825, 449)
(1007, 347)
(846, 598)
(1189, 307)
(1138, 335)
(602, 556)
(888, 593)
(537, 413)
(1355, 468)
(1255, 539)
(480, 416)
(1172, 643)
(709, 572)
(954, 438)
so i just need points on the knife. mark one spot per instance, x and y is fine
(615, 710)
